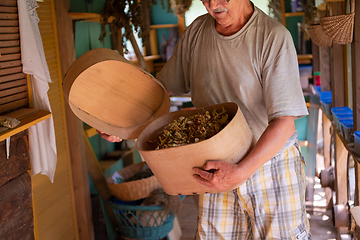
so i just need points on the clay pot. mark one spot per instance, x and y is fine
(112, 95)
(173, 166)
(327, 178)
(341, 215)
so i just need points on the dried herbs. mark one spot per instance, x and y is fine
(144, 173)
(128, 15)
(195, 128)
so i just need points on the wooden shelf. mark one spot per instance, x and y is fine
(91, 17)
(146, 58)
(304, 58)
(158, 26)
(89, 131)
(27, 117)
(349, 146)
(321, 4)
(293, 14)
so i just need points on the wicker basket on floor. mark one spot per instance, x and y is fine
(132, 190)
(142, 222)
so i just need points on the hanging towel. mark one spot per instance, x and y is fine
(42, 135)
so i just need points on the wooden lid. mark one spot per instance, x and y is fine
(111, 94)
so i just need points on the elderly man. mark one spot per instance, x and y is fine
(236, 53)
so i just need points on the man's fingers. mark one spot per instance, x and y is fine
(110, 138)
(204, 174)
(202, 180)
(211, 165)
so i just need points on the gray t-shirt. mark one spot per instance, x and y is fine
(256, 68)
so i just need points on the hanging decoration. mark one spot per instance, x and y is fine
(180, 6)
(339, 28)
(275, 10)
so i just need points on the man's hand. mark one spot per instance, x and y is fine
(220, 175)
(110, 138)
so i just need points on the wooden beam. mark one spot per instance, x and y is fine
(341, 177)
(19, 161)
(75, 128)
(16, 214)
(337, 75)
(147, 23)
(357, 193)
(26, 122)
(98, 177)
(355, 56)
(341, 154)
(327, 131)
(181, 25)
(316, 57)
(324, 53)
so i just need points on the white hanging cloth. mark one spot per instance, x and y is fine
(42, 135)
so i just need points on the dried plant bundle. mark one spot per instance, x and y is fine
(195, 128)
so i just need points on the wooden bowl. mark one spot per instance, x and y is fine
(113, 95)
(173, 166)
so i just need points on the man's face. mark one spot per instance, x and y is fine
(225, 12)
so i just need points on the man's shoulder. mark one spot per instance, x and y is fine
(269, 22)
(199, 21)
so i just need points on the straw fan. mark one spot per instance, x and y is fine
(339, 28)
(317, 35)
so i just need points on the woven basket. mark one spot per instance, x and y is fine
(133, 190)
(142, 222)
(318, 36)
(339, 28)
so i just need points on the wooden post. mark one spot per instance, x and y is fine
(116, 39)
(340, 176)
(327, 129)
(316, 57)
(147, 23)
(138, 54)
(357, 193)
(181, 25)
(324, 53)
(98, 178)
(75, 128)
(355, 57)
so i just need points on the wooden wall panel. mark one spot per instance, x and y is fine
(12, 96)
(16, 218)
(355, 57)
(54, 209)
(18, 162)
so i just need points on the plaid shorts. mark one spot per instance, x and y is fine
(270, 205)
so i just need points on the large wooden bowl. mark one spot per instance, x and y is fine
(112, 95)
(173, 166)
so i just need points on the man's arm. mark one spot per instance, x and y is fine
(221, 175)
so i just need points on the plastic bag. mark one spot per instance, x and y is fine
(8, 122)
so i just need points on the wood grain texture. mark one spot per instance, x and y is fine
(16, 217)
(19, 161)
(74, 127)
(113, 95)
